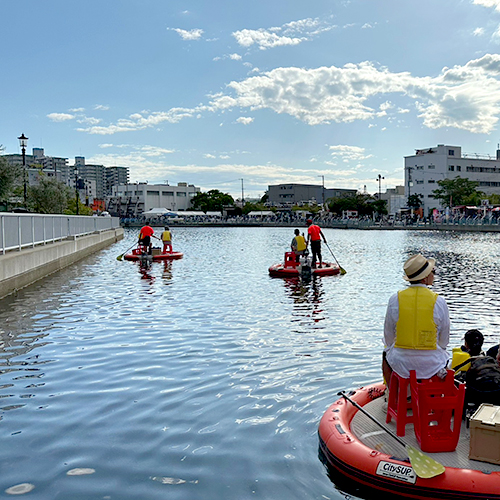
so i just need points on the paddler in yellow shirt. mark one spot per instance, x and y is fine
(299, 245)
(166, 237)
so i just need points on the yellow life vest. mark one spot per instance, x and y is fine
(459, 357)
(416, 328)
(166, 236)
(300, 242)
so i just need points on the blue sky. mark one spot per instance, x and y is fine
(212, 92)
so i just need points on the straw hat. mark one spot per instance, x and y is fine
(417, 267)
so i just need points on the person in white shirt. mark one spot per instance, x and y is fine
(417, 325)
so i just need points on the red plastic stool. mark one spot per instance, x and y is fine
(437, 408)
(398, 405)
(290, 259)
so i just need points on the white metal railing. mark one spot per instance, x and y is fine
(18, 231)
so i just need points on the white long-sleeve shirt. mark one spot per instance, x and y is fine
(425, 362)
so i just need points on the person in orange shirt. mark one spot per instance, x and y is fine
(145, 237)
(314, 235)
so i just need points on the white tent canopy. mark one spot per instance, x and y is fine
(260, 213)
(157, 212)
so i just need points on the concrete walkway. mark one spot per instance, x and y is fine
(22, 268)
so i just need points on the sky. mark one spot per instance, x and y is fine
(234, 95)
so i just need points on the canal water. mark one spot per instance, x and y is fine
(204, 378)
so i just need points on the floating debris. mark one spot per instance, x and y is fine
(20, 489)
(80, 471)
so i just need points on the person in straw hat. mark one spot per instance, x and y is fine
(417, 325)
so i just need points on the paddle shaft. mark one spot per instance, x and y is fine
(362, 410)
(121, 255)
(328, 246)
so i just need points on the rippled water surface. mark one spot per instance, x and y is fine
(204, 377)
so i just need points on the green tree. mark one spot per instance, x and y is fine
(493, 198)
(380, 206)
(10, 176)
(415, 201)
(213, 200)
(251, 207)
(363, 203)
(82, 208)
(457, 191)
(49, 196)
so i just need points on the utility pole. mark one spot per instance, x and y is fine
(322, 190)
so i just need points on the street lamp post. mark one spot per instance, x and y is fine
(379, 178)
(77, 200)
(23, 142)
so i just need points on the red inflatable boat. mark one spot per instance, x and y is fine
(290, 268)
(138, 254)
(352, 445)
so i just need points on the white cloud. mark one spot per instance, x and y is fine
(349, 153)
(478, 32)
(245, 120)
(89, 120)
(264, 39)
(291, 33)
(60, 117)
(494, 4)
(101, 107)
(464, 97)
(194, 34)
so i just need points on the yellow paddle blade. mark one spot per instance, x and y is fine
(424, 466)
(342, 271)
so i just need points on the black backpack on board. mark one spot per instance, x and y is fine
(482, 382)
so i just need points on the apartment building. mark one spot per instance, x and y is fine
(427, 166)
(131, 200)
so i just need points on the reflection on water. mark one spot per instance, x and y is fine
(204, 377)
(307, 297)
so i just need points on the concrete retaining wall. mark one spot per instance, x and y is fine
(19, 269)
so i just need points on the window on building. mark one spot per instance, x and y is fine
(451, 152)
(419, 182)
(431, 181)
(451, 168)
(431, 167)
(168, 193)
(419, 167)
(153, 193)
(459, 168)
(181, 194)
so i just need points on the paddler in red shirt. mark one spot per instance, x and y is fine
(314, 235)
(145, 237)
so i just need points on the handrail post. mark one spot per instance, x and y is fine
(19, 232)
(2, 218)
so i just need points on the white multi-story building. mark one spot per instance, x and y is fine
(131, 200)
(427, 166)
